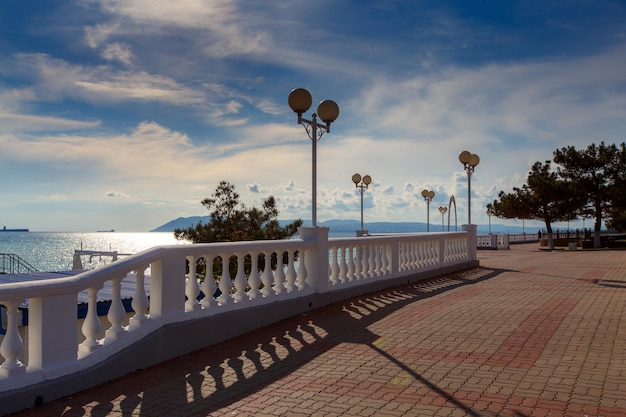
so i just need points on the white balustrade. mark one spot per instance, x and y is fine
(171, 290)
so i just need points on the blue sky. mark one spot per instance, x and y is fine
(126, 114)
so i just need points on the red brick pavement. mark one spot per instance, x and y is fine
(528, 333)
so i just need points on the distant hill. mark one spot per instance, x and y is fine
(350, 226)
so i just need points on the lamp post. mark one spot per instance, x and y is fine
(300, 101)
(469, 161)
(428, 196)
(443, 210)
(361, 184)
(490, 212)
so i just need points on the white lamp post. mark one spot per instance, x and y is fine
(361, 184)
(469, 161)
(300, 101)
(428, 196)
(443, 210)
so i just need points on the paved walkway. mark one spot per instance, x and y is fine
(528, 333)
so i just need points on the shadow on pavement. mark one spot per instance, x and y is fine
(217, 376)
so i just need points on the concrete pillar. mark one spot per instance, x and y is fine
(316, 259)
(52, 333)
(167, 286)
(473, 241)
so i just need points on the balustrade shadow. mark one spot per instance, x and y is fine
(217, 376)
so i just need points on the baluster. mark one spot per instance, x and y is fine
(410, 255)
(12, 344)
(140, 301)
(240, 279)
(226, 284)
(425, 256)
(291, 272)
(384, 260)
(365, 262)
(419, 246)
(372, 260)
(91, 325)
(434, 252)
(254, 280)
(343, 266)
(334, 266)
(358, 255)
(351, 266)
(192, 288)
(418, 254)
(208, 285)
(279, 276)
(377, 260)
(267, 278)
(302, 273)
(116, 313)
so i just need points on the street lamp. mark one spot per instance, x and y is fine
(490, 212)
(469, 161)
(300, 101)
(428, 196)
(443, 210)
(361, 184)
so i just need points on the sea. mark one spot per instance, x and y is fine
(54, 251)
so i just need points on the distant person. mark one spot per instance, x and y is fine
(539, 234)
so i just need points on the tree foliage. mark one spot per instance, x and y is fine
(596, 171)
(586, 183)
(545, 197)
(230, 220)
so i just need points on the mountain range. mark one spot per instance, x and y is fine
(351, 226)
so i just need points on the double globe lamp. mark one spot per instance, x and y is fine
(300, 101)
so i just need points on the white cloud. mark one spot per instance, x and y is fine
(27, 122)
(118, 52)
(58, 79)
(116, 194)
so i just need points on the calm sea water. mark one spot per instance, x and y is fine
(53, 251)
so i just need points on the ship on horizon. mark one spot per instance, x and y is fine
(4, 229)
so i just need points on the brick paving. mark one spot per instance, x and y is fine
(528, 333)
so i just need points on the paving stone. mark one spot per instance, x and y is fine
(529, 332)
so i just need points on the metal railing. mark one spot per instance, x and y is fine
(11, 263)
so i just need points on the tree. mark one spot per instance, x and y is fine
(545, 196)
(596, 171)
(230, 221)
(616, 216)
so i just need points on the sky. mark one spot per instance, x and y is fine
(127, 114)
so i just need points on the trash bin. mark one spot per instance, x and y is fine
(572, 245)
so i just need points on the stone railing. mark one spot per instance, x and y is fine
(493, 241)
(175, 312)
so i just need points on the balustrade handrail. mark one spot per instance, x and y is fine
(78, 282)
